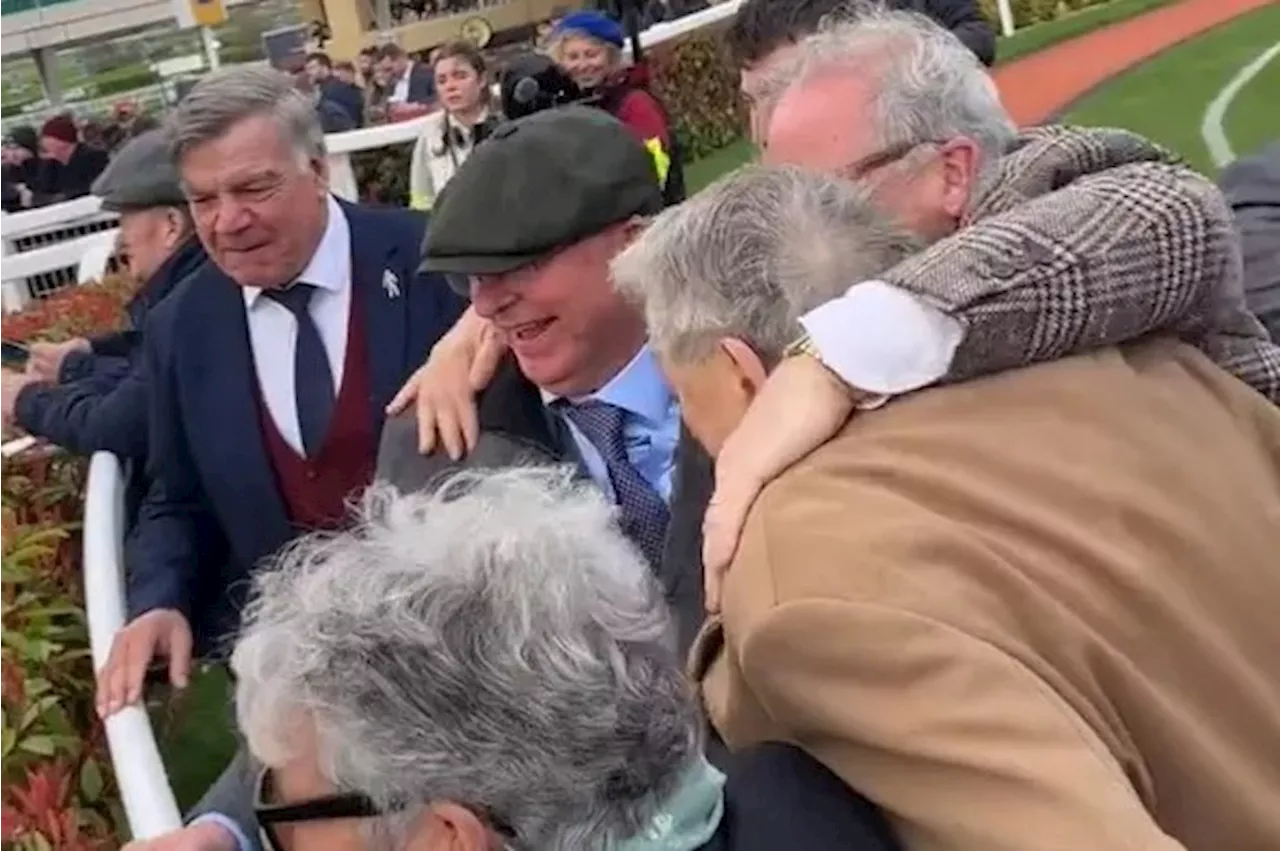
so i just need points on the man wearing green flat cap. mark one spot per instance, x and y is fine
(528, 227)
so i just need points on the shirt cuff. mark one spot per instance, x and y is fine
(882, 339)
(228, 824)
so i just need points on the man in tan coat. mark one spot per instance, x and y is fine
(1031, 612)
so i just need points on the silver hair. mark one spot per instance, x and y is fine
(752, 253)
(230, 95)
(931, 87)
(496, 643)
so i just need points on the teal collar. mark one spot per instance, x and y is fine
(689, 816)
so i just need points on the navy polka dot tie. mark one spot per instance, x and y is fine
(312, 377)
(644, 514)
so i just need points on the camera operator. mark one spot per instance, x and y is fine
(588, 46)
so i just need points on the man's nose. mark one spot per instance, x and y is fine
(231, 216)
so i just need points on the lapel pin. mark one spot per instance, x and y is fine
(391, 284)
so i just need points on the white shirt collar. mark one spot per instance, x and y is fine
(330, 265)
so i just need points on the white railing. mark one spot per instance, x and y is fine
(149, 803)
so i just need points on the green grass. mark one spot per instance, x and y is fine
(195, 733)
(1164, 99)
(1253, 119)
(1040, 36)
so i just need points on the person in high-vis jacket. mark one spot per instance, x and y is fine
(588, 45)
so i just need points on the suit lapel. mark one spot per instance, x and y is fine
(225, 408)
(380, 281)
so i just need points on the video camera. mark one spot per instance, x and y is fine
(533, 82)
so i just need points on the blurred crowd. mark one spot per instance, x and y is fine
(60, 160)
(914, 489)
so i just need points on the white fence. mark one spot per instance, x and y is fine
(71, 233)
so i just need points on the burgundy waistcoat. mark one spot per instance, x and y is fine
(317, 491)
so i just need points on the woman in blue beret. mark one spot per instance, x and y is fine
(588, 45)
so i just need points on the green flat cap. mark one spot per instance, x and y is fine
(141, 175)
(537, 184)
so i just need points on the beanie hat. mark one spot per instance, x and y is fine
(597, 25)
(61, 127)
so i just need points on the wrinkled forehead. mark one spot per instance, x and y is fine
(823, 122)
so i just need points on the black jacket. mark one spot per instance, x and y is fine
(516, 429)
(345, 96)
(1252, 187)
(101, 402)
(777, 797)
(963, 18)
(74, 179)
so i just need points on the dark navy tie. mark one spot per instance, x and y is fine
(312, 378)
(644, 514)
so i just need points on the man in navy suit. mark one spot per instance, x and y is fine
(269, 370)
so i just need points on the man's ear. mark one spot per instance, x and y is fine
(320, 167)
(750, 369)
(450, 827)
(961, 159)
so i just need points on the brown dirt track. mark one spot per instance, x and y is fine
(1041, 85)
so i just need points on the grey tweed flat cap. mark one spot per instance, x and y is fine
(141, 175)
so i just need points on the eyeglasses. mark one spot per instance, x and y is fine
(343, 805)
(859, 169)
(339, 806)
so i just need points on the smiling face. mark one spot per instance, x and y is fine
(567, 326)
(460, 85)
(587, 61)
(259, 207)
(827, 124)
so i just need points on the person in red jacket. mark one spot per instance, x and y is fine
(588, 46)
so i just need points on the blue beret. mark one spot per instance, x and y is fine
(595, 24)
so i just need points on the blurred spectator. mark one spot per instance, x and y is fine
(762, 27)
(465, 118)
(588, 45)
(93, 133)
(74, 165)
(346, 72)
(89, 394)
(24, 171)
(660, 11)
(406, 81)
(365, 62)
(333, 118)
(1252, 186)
(329, 88)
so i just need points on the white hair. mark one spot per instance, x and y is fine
(931, 87)
(230, 95)
(749, 255)
(497, 644)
